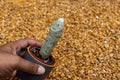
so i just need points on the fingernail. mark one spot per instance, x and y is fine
(14, 73)
(41, 70)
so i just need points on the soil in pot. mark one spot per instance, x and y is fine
(36, 50)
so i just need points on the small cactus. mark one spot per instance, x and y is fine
(52, 38)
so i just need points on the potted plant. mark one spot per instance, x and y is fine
(42, 55)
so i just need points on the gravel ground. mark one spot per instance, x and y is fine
(90, 46)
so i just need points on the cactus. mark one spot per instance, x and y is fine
(52, 38)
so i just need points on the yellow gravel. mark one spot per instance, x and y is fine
(90, 46)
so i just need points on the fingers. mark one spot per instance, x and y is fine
(29, 67)
(16, 46)
(26, 42)
(8, 74)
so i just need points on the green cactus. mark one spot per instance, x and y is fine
(52, 38)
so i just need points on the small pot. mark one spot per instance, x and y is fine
(29, 55)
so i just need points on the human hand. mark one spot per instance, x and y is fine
(10, 60)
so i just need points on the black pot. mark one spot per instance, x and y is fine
(29, 55)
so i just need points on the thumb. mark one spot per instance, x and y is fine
(29, 67)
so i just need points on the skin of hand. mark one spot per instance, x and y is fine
(11, 60)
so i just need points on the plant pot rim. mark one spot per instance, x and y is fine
(38, 59)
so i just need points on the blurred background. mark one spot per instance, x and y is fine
(89, 48)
